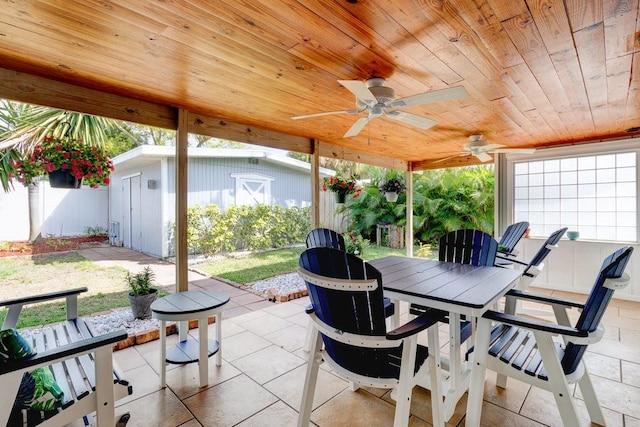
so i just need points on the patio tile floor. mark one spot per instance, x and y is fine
(261, 378)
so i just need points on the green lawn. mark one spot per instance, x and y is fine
(257, 266)
(26, 276)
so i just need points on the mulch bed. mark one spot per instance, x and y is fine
(48, 245)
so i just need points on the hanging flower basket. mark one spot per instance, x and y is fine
(62, 178)
(391, 196)
(341, 187)
(69, 156)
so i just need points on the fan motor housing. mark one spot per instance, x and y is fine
(383, 94)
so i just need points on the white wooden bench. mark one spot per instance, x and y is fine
(81, 363)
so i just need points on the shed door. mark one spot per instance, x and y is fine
(131, 210)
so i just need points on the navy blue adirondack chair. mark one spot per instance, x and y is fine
(534, 267)
(468, 246)
(464, 246)
(327, 238)
(348, 317)
(509, 240)
(523, 348)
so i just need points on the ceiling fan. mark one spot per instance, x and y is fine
(482, 148)
(375, 99)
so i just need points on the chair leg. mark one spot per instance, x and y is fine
(405, 383)
(311, 378)
(435, 379)
(105, 399)
(590, 399)
(308, 340)
(557, 380)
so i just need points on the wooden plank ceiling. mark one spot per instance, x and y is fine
(538, 72)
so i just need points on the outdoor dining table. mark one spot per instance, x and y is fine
(460, 290)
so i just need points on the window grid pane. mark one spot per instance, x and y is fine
(593, 194)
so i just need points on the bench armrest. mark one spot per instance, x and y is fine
(63, 352)
(15, 305)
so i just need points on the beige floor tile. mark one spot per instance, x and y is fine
(631, 422)
(285, 310)
(266, 364)
(602, 366)
(229, 403)
(510, 398)
(266, 324)
(228, 329)
(128, 358)
(143, 380)
(242, 344)
(161, 408)
(289, 387)
(300, 318)
(495, 416)
(290, 339)
(191, 423)
(618, 397)
(277, 414)
(630, 373)
(184, 381)
(246, 298)
(354, 409)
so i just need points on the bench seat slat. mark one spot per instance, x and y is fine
(56, 369)
(86, 360)
(77, 378)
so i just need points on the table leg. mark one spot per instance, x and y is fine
(183, 330)
(163, 354)
(203, 360)
(219, 338)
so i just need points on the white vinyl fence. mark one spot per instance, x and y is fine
(62, 212)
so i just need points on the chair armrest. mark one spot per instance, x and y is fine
(548, 299)
(414, 326)
(510, 259)
(63, 352)
(42, 297)
(535, 325)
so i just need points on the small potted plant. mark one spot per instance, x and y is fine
(69, 162)
(141, 292)
(341, 187)
(392, 188)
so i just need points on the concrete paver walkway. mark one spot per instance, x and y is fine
(241, 302)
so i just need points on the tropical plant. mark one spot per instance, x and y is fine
(84, 162)
(141, 283)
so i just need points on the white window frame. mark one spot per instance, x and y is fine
(242, 178)
(580, 150)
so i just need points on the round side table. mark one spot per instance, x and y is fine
(184, 306)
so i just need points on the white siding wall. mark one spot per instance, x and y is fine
(62, 212)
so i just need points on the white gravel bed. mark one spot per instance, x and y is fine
(279, 285)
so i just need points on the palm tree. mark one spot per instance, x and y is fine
(23, 127)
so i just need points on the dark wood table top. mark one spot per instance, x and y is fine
(448, 283)
(189, 302)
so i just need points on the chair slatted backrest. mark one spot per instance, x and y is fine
(357, 312)
(325, 238)
(544, 250)
(468, 246)
(512, 236)
(612, 268)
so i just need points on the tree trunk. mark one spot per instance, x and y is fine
(34, 211)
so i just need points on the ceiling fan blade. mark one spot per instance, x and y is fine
(515, 150)
(411, 119)
(456, 92)
(325, 113)
(360, 90)
(357, 127)
(483, 157)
